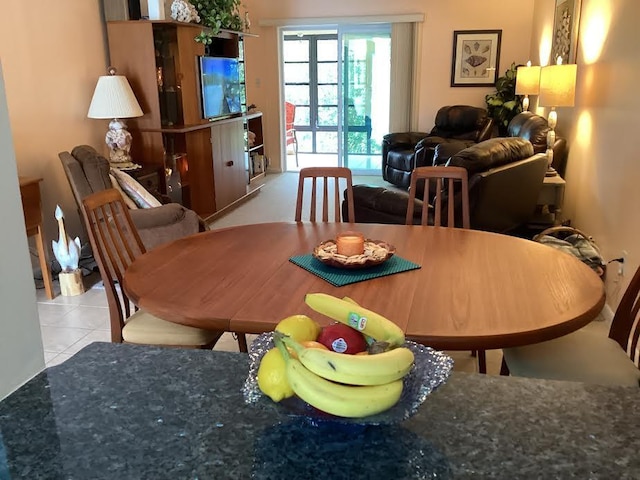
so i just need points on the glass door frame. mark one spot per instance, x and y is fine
(338, 32)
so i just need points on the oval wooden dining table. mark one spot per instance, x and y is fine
(474, 291)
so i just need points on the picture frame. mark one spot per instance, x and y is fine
(566, 23)
(476, 58)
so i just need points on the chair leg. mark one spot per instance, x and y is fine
(242, 342)
(482, 361)
(504, 368)
(295, 146)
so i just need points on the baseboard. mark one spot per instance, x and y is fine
(607, 314)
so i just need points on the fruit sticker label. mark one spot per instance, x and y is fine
(356, 321)
(339, 345)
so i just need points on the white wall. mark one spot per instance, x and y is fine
(21, 355)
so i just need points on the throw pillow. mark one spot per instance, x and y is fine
(136, 192)
(128, 202)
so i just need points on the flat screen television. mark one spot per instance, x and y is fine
(220, 86)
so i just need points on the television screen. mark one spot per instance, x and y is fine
(220, 84)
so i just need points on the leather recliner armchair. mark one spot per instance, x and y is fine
(402, 152)
(88, 172)
(534, 128)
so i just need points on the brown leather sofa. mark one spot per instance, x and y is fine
(88, 172)
(505, 178)
(462, 125)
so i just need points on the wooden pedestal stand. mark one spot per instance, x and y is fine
(71, 283)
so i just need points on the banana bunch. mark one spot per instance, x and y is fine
(376, 369)
(344, 400)
(350, 313)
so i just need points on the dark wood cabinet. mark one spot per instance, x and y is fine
(161, 61)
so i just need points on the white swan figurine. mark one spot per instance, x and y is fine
(66, 251)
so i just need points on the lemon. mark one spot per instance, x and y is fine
(299, 327)
(272, 376)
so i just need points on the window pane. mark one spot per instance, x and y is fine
(302, 116)
(296, 51)
(327, 116)
(296, 73)
(305, 142)
(326, 142)
(357, 142)
(327, 95)
(327, 72)
(298, 94)
(327, 50)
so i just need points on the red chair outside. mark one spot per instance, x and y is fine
(290, 131)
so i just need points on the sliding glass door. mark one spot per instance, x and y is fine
(365, 95)
(339, 81)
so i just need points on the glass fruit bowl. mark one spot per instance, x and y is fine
(430, 370)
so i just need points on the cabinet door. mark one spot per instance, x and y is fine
(230, 176)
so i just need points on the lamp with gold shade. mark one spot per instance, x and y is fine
(557, 89)
(113, 98)
(527, 83)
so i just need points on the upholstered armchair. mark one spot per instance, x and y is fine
(88, 172)
(402, 152)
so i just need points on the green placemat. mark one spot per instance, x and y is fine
(339, 277)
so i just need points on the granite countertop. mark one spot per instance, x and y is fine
(117, 411)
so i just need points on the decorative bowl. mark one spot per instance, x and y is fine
(430, 370)
(375, 253)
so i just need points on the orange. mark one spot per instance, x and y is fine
(307, 344)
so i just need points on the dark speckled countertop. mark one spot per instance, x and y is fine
(128, 412)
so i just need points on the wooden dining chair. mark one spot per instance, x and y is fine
(587, 355)
(313, 174)
(443, 179)
(116, 244)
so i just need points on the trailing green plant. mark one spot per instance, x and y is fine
(504, 104)
(216, 15)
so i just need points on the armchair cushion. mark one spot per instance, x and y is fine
(462, 122)
(94, 167)
(491, 153)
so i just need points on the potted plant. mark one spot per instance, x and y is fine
(504, 104)
(219, 14)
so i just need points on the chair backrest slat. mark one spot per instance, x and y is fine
(436, 175)
(625, 327)
(329, 199)
(116, 244)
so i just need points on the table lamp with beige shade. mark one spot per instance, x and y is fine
(557, 89)
(113, 98)
(527, 83)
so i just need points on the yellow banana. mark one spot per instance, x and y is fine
(355, 369)
(341, 400)
(348, 312)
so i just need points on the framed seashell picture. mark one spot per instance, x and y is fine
(566, 22)
(476, 58)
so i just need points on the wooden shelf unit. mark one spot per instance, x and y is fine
(160, 60)
(256, 160)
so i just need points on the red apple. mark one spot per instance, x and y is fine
(342, 339)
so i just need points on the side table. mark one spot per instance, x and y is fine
(32, 208)
(550, 202)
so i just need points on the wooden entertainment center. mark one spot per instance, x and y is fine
(160, 60)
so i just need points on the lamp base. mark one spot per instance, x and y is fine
(551, 172)
(118, 139)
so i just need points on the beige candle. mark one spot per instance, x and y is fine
(350, 243)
